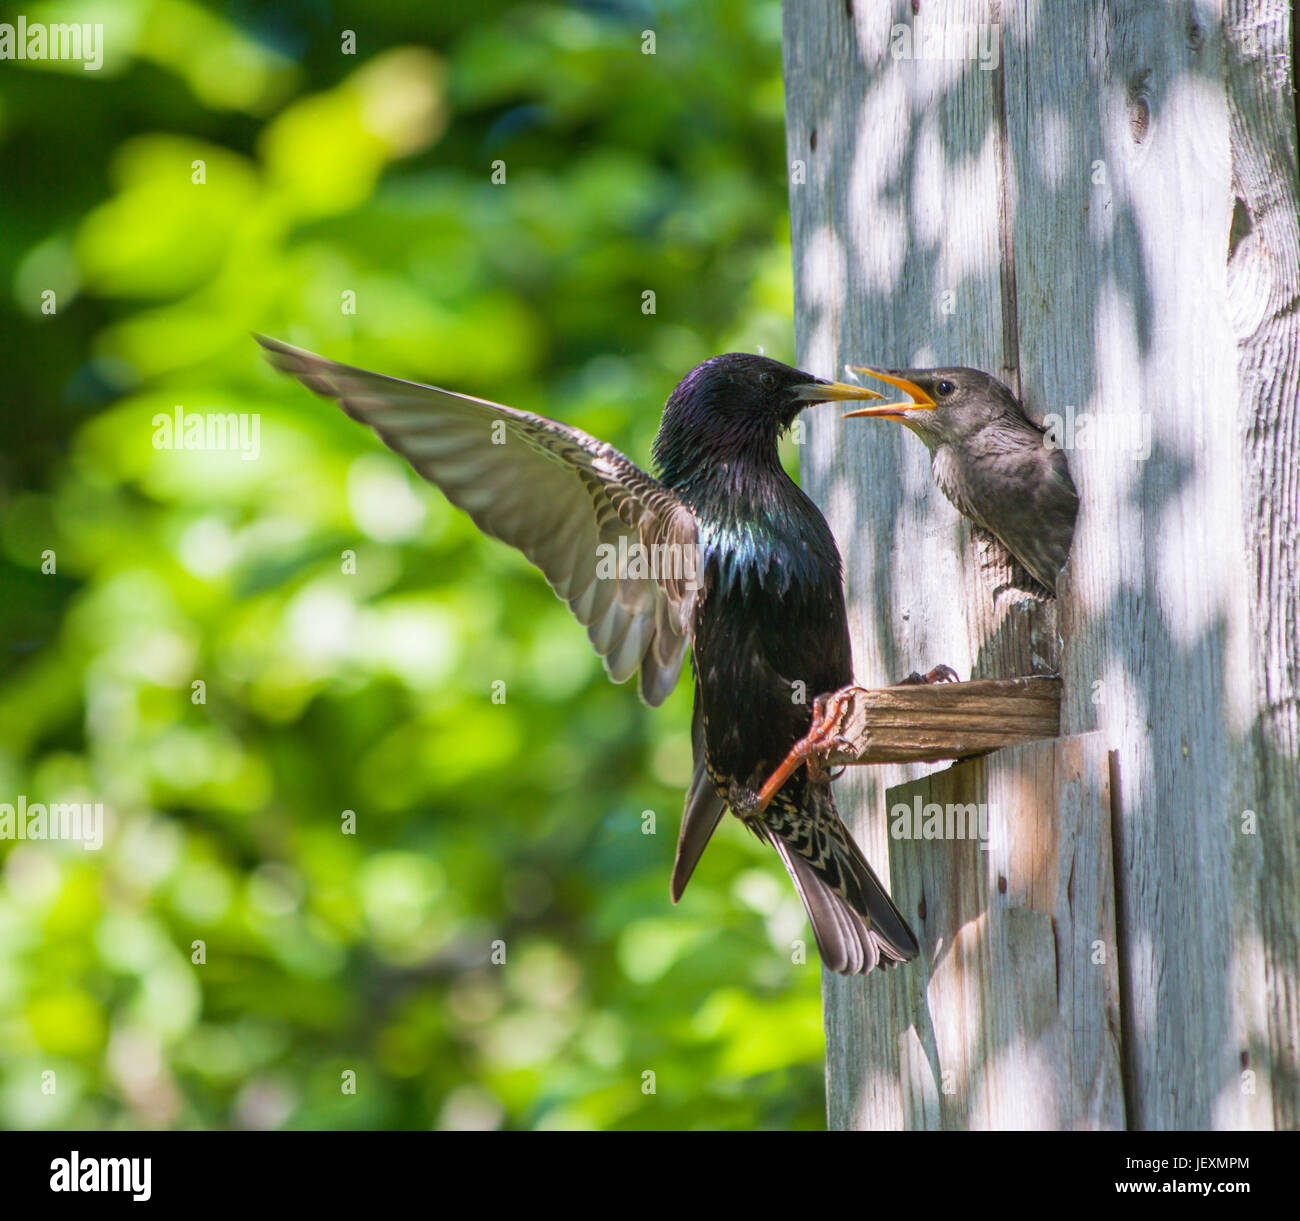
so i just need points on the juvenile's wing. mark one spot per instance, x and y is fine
(1034, 510)
(551, 491)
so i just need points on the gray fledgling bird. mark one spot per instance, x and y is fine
(991, 460)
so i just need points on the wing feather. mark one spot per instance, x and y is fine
(551, 491)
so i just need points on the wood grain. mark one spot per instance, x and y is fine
(1010, 1018)
(1106, 220)
(927, 723)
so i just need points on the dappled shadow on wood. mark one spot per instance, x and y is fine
(1063, 222)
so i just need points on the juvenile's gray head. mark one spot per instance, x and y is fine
(950, 405)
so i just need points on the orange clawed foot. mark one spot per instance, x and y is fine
(821, 740)
(940, 674)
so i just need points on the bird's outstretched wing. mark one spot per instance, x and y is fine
(555, 493)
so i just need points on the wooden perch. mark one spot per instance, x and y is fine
(925, 723)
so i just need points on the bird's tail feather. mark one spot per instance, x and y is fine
(703, 811)
(856, 923)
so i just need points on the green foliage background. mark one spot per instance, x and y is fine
(325, 692)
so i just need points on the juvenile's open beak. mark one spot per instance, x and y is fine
(921, 400)
(825, 392)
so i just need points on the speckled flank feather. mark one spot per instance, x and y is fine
(856, 923)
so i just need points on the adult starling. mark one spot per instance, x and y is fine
(991, 460)
(743, 572)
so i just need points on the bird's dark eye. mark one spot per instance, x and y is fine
(768, 379)
(944, 389)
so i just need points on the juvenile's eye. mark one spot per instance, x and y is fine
(944, 389)
(768, 378)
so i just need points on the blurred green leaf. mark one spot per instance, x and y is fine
(326, 849)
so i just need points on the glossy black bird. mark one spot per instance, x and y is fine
(743, 572)
(991, 460)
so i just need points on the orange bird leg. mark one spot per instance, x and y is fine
(820, 739)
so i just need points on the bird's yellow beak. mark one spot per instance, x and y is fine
(825, 392)
(921, 401)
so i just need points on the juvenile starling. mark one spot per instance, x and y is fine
(742, 571)
(991, 460)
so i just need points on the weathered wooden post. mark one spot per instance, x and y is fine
(1096, 202)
